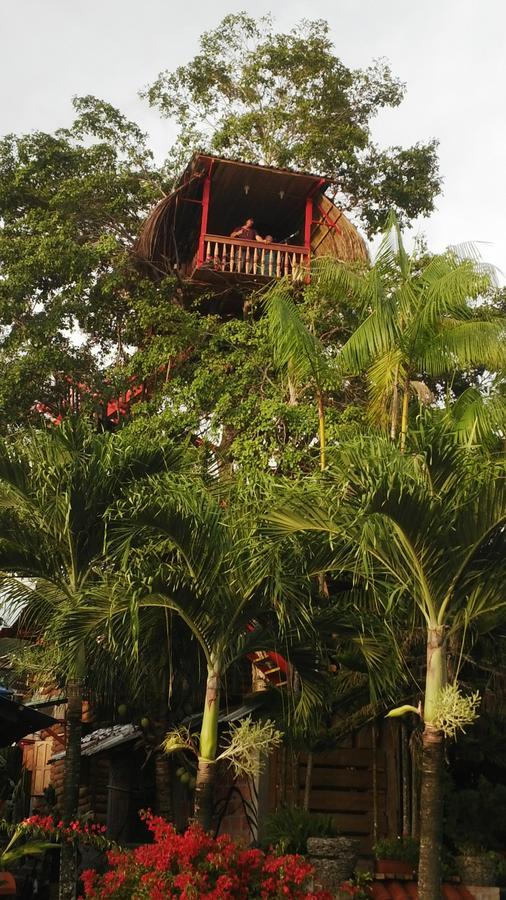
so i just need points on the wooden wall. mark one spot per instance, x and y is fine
(357, 783)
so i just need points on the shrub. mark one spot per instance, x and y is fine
(290, 827)
(405, 849)
(196, 866)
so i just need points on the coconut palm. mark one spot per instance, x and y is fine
(423, 320)
(297, 352)
(427, 529)
(55, 488)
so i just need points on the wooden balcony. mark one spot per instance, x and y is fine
(227, 259)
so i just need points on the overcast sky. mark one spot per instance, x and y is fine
(451, 54)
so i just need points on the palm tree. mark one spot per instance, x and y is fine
(191, 549)
(56, 486)
(426, 529)
(422, 321)
(297, 351)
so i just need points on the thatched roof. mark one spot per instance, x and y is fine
(275, 198)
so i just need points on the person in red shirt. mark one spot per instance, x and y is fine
(246, 232)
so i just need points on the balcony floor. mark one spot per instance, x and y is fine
(216, 278)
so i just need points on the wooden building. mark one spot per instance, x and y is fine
(188, 232)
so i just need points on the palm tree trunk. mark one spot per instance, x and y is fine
(163, 786)
(322, 432)
(163, 767)
(206, 770)
(308, 781)
(404, 415)
(395, 406)
(406, 781)
(431, 797)
(292, 390)
(70, 797)
(431, 815)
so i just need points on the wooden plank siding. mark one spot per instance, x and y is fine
(342, 786)
(344, 783)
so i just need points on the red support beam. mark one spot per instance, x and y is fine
(205, 213)
(328, 221)
(308, 221)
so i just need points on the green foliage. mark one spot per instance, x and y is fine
(400, 848)
(249, 744)
(287, 100)
(14, 851)
(290, 827)
(475, 815)
(70, 206)
(454, 710)
(56, 486)
(421, 323)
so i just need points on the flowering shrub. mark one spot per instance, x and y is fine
(195, 866)
(356, 888)
(47, 828)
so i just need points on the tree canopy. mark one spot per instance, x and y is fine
(287, 99)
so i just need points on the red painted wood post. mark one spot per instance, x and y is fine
(203, 224)
(307, 234)
(308, 222)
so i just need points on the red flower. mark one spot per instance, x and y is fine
(194, 865)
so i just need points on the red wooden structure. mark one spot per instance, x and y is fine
(190, 230)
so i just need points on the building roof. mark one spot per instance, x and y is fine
(105, 739)
(17, 720)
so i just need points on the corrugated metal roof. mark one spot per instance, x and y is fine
(105, 739)
(16, 721)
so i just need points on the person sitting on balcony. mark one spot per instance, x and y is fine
(246, 233)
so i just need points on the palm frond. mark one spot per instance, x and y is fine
(460, 345)
(295, 348)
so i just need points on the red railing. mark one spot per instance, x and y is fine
(224, 254)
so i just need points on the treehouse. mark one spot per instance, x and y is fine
(189, 231)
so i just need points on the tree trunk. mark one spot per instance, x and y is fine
(308, 781)
(204, 789)
(395, 406)
(292, 389)
(206, 771)
(431, 815)
(404, 416)
(70, 797)
(322, 433)
(431, 797)
(163, 765)
(163, 786)
(406, 782)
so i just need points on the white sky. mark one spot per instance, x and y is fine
(451, 53)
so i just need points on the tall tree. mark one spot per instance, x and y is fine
(297, 352)
(429, 528)
(55, 488)
(288, 100)
(193, 547)
(70, 206)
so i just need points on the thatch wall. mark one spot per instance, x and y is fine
(342, 242)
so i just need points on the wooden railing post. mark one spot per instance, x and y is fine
(247, 258)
